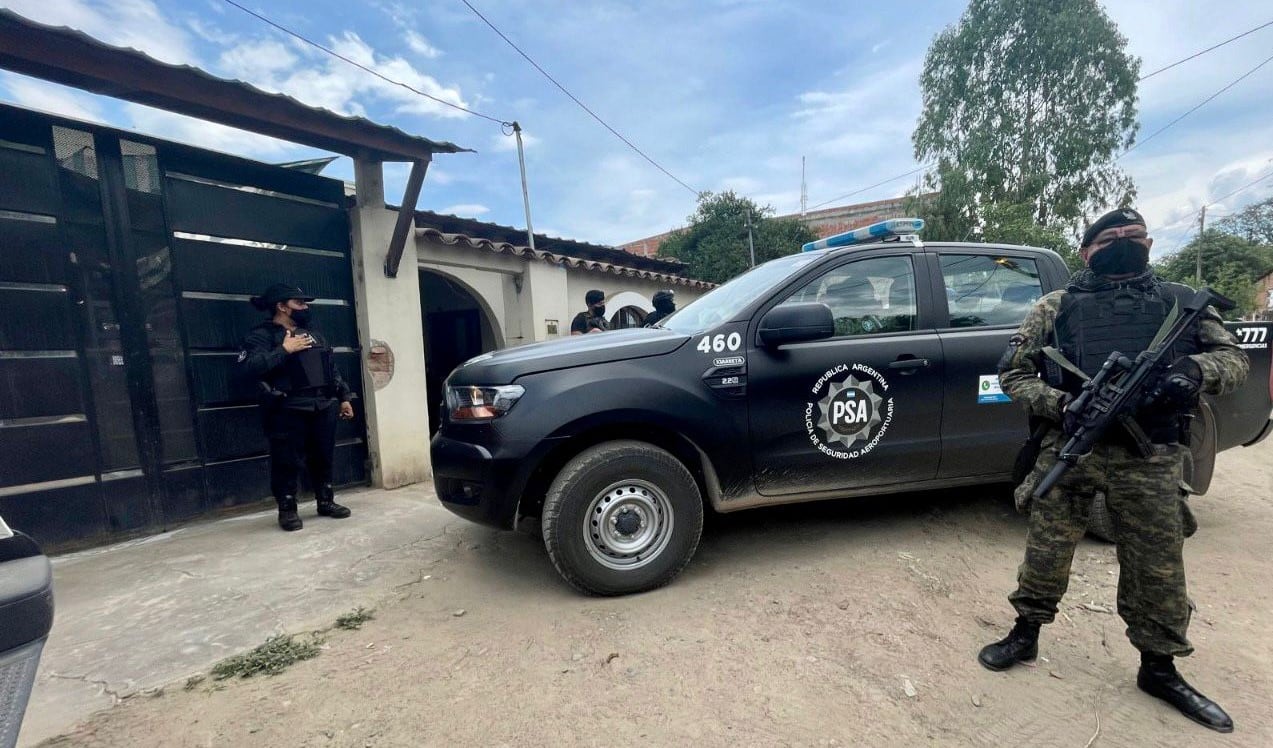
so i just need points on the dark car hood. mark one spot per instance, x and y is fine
(502, 367)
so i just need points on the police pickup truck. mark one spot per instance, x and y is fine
(839, 371)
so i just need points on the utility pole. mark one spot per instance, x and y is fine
(804, 190)
(1202, 233)
(521, 162)
(751, 248)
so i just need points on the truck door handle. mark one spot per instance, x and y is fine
(910, 363)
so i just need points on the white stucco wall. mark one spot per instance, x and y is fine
(621, 291)
(524, 295)
(388, 309)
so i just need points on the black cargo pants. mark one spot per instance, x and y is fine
(296, 435)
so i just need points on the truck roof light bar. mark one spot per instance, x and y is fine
(892, 228)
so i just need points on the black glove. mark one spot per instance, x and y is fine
(1179, 387)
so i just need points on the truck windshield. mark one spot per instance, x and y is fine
(723, 304)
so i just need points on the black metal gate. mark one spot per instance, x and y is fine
(125, 267)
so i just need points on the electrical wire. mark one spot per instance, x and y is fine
(1206, 101)
(334, 53)
(573, 98)
(1145, 77)
(869, 187)
(1248, 32)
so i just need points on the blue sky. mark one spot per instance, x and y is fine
(725, 94)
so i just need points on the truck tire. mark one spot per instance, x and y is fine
(1099, 524)
(622, 517)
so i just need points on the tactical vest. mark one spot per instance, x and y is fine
(1091, 325)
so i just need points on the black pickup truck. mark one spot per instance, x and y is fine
(820, 375)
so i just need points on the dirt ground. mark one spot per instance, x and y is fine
(849, 623)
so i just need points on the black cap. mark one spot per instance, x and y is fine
(594, 297)
(1112, 219)
(279, 292)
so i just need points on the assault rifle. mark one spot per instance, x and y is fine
(1122, 387)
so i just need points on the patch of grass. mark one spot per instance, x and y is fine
(355, 619)
(271, 658)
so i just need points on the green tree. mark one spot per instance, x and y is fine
(1230, 264)
(1007, 223)
(1028, 102)
(714, 244)
(1254, 222)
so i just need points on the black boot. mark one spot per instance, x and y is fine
(1021, 644)
(327, 506)
(1158, 677)
(288, 519)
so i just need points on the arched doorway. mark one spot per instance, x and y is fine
(457, 327)
(630, 309)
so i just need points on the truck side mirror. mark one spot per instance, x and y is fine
(796, 323)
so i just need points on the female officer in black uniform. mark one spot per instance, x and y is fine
(302, 394)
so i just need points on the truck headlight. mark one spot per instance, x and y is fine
(481, 403)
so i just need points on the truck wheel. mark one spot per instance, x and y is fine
(622, 517)
(1099, 524)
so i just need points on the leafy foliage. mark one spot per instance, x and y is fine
(1230, 264)
(354, 619)
(1254, 222)
(1006, 223)
(1027, 103)
(271, 658)
(714, 244)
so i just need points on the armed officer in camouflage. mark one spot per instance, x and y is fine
(1115, 304)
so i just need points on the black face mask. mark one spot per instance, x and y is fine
(667, 306)
(599, 310)
(301, 317)
(1122, 257)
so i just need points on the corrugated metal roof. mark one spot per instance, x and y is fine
(507, 248)
(73, 58)
(451, 224)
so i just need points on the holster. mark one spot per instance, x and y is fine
(1029, 452)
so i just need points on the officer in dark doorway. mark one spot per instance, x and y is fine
(302, 395)
(594, 319)
(664, 304)
(1116, 304)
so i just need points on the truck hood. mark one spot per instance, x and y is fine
(503, 367)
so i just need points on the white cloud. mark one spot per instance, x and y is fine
(502, 143)
(138, 24)
(51, 98)
(465, 210)
(421, 46)
(209, 135)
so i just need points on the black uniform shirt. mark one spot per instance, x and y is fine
(264, 359)
(584, 321)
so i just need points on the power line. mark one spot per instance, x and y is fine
(360, 66)
(870, 187)
(1147, 76)
(1203, 52)
(1206, 101)
(1240, 189)
(583, 106)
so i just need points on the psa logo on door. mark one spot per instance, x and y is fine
(850, 414)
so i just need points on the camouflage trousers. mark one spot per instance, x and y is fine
(1143, 496)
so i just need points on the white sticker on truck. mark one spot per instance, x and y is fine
(1251, 338)
(989, 391)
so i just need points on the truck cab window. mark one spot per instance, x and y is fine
(867, 297)
(987, 290)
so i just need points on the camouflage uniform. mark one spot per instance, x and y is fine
(1142, 494)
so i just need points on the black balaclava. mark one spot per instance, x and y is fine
(1124, 256)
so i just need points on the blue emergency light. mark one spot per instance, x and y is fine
(874, 232)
